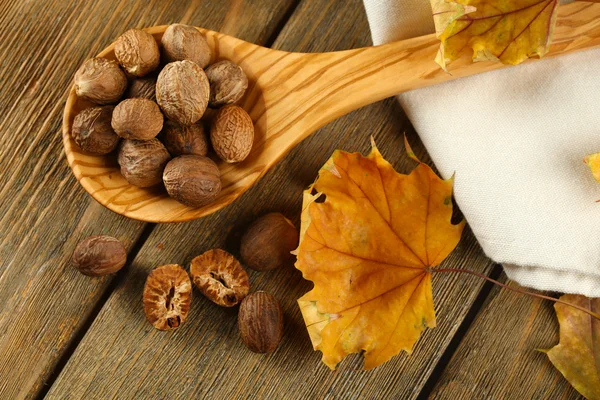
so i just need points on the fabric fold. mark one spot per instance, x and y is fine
(515, 139)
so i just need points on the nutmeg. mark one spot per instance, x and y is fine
(192, 180)
(232, 134)
(137, 51)
(100, 81)
(183, 42)
(220, 277)
(144, 88)
(228, 83)
(180, 140)
(99, 255)
(182, 91)
(92, 130)
(138, 119)
(167, 297)
(268, 242)
(142, 162)
(260, 322)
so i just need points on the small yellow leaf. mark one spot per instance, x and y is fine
(506, 30)
(368, 248)
(577, 356)
(593, 161)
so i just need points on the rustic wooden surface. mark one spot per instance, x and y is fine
(63, 335)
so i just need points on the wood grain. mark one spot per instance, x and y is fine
(123, 356)
(43, 211)
(497, 358)
(291, 95)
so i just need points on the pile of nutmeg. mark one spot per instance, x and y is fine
(265, 246)
(135, 95)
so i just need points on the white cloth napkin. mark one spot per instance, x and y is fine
(516, 139)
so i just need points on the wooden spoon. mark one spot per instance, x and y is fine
(290, 95)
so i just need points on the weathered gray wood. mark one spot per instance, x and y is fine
(497, 358)
(122, 356)
(43, 210)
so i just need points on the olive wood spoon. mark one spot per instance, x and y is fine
(290, 95)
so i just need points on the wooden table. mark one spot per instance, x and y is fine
(64, 335)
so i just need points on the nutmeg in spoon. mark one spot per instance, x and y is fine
(289, 96)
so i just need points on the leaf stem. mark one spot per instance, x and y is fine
(517, 290)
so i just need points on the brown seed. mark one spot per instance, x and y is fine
(182, 42)
(182, 91)
(144, 88)
(137, 52)
(220, 277)
(192, 180)
(228, 83)
(232, 134)
(267, 243)
(180, 140)
(260, 322)
(143, 162)
(93, 132)
(101, 81)
(167, 297)
(99, 255)
(138, 119)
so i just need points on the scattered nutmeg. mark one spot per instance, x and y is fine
(137, 52)
(228, 83)
(92, 130)
(268, 242)
(144, 88)
(142, 162)
(167, 297)
(183, 42)
(182, 91)
(99, 255)
(100, 81)
(138, 119)
(180, 140)
(232, 134)
(220, 277)
(192, 180)
(260, 322)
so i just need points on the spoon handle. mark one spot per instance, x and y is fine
(336, 83)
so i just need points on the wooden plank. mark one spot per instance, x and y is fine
(497, 358)
(43, 210)
(122, 356)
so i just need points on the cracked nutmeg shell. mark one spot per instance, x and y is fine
(167, 297)
(182, 91)
(99, 255)
(183, 42)
(268, 242)
(142, 162)
(232, 134)
(220, 277)
(92, 130)
(228, 83)
(100, 81)
(138, 119)
(260, 322)
(137, 52)
(192, 180)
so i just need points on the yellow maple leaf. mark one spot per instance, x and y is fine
(509, 31)
(577, 356)
(593, 161)
(368, 248)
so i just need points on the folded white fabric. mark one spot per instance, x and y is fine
(516, 139)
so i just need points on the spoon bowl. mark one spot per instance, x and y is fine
(289, 96)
